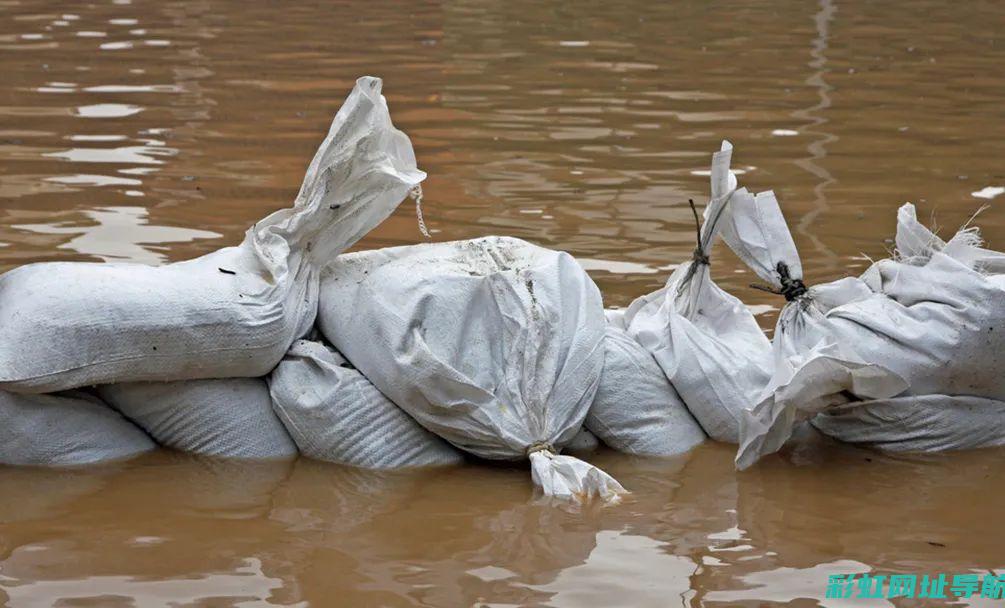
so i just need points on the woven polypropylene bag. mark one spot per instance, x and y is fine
(72, 428)
(226, 417)
(928, 321)
(636, 409)
(705, 340)
(494, 344)
(232, 313)
(917, 423)
(335, 414)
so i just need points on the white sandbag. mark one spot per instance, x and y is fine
(615, 317)
(583, 443)
(812, 369)
(916, 243)
(704, 339)
(940, 328)
(494, 344)
(335, 414)
(918, 423)
(636, 409)
(71, 428)
(943, 320)
(925, 323)
(227, 417)
(232, 313)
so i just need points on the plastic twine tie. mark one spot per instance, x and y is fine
(540, 447)
(698, 256)
(416, 194)
(792, 289)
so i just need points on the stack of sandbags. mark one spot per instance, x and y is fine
(806, 359)
(636, 410)
(907, 357)
(705, 340)
(337, 415)
(229, 314)
(494, 344)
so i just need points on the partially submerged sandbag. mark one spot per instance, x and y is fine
(927, 322)
(812, 369)
(335, 414)
(942, 321)
(232, 313)
(704, 339)
(917, 423)
(227, 417)
(494, 344)
(636, 409)
(583, 443)
(71, 428)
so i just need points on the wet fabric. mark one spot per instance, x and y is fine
(704, 339)
(227, 417)
(232, 313)
(917, 423)
(636, 409)
(335, 414)
(926, 322)
(71, 428)
(494, 344)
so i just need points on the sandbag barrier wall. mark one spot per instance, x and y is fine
(188, 352)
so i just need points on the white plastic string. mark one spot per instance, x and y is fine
(416, 195)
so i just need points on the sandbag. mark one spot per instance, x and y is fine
(812, 368)
(917, 423)
(335, 414)
(227, 417)
(705, 340)
(943, 318)
(583, 443)
(636, 409)
(926, 322)
(494, 344)
(71, 428)
(232, 313)
(916, 243)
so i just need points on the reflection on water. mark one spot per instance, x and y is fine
(144, 155)
(622, 569)
(246, 585)
(784, 585)
(173, 528)
(158, 131)
(816, 115)
(107, 110)
(119, 234)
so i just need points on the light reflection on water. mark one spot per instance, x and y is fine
(119, 234)
(169, 527)
(246, 585)
(155, 132)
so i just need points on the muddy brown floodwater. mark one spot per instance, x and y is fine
(158, 131)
